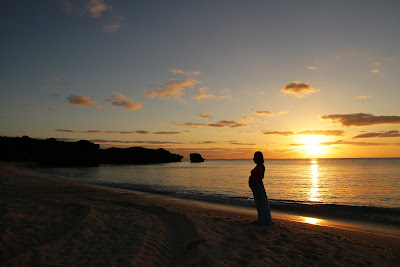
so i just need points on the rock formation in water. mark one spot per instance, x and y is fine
(53, 152)
(196, 157)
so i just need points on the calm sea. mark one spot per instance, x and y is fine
(350, 182)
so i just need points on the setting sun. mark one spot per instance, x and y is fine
(311, 144)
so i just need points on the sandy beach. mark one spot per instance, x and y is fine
(51, 222)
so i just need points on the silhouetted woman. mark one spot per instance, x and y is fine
(257, 186)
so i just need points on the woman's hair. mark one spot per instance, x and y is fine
(259, 156)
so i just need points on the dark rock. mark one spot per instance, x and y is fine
(53, 152)
(196, 157)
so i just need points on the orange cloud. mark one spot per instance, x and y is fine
(203, 93)
(263, 112)
(278, 133)
(119, 100)
(116, 26)
(311, 67)
(180, 71)
(383, 134)
(205, 116)
(323, 132)
(82, 101)
(172, 90)
(361, 119)
(95, 8)
(177, 71)
(299, 89)
(362, 97)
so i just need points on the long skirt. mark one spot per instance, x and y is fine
(261, 200)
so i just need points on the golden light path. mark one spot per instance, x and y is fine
(314, 196)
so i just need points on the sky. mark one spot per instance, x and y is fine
(293, 79)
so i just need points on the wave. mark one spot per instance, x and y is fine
(382, 215)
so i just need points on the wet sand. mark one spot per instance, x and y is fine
(51, 222)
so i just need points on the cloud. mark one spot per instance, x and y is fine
(279, 133)
(226, 123)
(375, 71)
(135, 142)
(114, 27)
(382, 134)
(323, 132)
(299, 89)
(205, 116)
(362, 97)
(246, 118)
(56, 80)
(311, 67)
(341, 142)
(203, 93)
(82, 101)
(95, 8)
(172, 90)
(282, 112)
(168, 133)
(177, 71)
(204, 142)
(143, 132)
(241, 144)
(66, 131)
(119, 100)
(92, 132)
(181, 71)
(361, 119)
(263, 112)
(189, 124)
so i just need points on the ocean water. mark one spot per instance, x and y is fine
(347, 182)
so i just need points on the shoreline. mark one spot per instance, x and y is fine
(48, 221)
(388, 216)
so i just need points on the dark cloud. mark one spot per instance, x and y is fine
(298, 89)
(143, 132)
(240, 143)
(168, 133)
(92, 132)
(226, 124)
(66, 131)
(279, 133)
(323, 132)
(382, 134)
(341, 142)
(361, 119)
(189, 124)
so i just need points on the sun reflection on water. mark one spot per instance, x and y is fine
(314, 195)
(311, 220)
